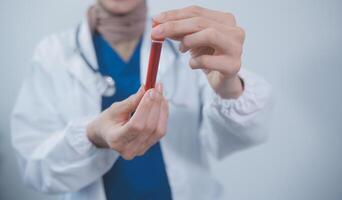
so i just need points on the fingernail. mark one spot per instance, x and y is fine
(152, 94)
(193, 62)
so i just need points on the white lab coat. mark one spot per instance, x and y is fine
(61, 95)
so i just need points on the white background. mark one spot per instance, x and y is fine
(295, 44)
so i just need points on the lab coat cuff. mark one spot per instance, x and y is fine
(255, 97)
(77, 138)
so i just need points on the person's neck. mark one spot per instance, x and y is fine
(126, 49)
(122, 32)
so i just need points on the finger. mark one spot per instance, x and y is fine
(179, 28)
(130, 149)
(160, 131)
(128, 152)
(164, 116)
(151, 126)
(225, 65)
(131, 103)
(154, 112)
(162, 125)
(144, 120)
(131, 134)
(206, 38)
(138, 120)
(153, 120)
(195, 11)
(226, 39)
(128, 144)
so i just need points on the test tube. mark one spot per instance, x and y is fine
(156, 47)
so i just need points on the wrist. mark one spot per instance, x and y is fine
(231, 88)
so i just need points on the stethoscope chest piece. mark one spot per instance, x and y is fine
(106, 85)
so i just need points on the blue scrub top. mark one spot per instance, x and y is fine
(143, 177)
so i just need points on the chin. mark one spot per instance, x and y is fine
(120, 6)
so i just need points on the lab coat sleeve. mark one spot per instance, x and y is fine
(230, 125)
(55, 156)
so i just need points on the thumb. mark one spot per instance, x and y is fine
(131, 103)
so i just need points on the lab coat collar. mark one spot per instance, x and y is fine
(88, 78)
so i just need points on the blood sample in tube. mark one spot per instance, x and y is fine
(156, 47)
(153, 63)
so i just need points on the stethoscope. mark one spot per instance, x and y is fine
(107, 83)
